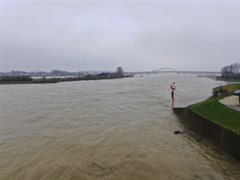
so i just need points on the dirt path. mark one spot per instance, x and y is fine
(231, 102)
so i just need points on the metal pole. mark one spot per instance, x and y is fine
(173, 88)
(172, 99)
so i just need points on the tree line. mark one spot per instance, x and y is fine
(231, 71)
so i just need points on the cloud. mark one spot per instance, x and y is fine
(78, 35)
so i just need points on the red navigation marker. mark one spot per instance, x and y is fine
(173, 88)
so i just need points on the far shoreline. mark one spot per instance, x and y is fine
(58, 80)
(218, 78)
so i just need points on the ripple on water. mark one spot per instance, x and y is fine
(116, 129)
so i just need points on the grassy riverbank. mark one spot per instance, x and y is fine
(227, 79)
(225, 90)
(218, 113)
(214, 121)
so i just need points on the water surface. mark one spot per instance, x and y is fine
(108, 129)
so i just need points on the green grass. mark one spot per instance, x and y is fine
(227, 89)
(237, 86)
(213, 110)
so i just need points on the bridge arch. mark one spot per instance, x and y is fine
(166, 69)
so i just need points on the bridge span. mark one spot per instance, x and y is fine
(172, 70)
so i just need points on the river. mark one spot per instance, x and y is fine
(120, 129)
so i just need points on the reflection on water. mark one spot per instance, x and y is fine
(108, 129)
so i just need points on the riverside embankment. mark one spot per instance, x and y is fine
(213, 120)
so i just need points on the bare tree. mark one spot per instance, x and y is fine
(120, 71)
(231, 71)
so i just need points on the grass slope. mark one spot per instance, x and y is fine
(237, 86)
(213, 110)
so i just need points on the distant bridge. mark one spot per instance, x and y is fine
(159, 70)
(172, 70)
(165, 69)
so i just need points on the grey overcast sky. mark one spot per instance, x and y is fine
(77, 35)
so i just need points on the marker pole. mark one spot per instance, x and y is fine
(172, 99)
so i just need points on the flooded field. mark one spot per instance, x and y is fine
(108, 129)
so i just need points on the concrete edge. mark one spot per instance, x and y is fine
(221, 137)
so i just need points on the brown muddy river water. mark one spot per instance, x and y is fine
(108, 129)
